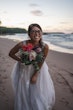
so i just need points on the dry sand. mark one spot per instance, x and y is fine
(61, 70)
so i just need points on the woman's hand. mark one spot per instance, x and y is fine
(34, 78)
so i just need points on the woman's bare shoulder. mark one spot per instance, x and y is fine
(20, 44)
(46, 46)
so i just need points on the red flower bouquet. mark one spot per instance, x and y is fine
(31, 55)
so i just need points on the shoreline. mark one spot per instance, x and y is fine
(60, 68)
(52, 46)
(59, 49)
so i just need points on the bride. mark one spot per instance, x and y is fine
(34, 90)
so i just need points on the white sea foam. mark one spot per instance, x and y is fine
(52, 41)
(59, 49)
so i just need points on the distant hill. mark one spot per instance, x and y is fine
(45, 33)
(6, 30)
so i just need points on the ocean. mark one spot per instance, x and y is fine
(58, 42)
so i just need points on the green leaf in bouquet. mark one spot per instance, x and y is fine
(27, 62)
(39, 57)
(35, 64)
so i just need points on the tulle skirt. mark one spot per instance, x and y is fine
(38, 96)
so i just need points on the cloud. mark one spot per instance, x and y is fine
(64, 22)
(37, 13)
(33, 5)
(4, 12)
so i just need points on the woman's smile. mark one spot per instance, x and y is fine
(36, 37)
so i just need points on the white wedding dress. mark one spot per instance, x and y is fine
(38, 96)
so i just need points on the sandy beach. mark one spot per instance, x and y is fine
(60, 68)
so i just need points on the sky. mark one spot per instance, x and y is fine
(51, 15)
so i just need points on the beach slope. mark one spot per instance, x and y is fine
(61, 70)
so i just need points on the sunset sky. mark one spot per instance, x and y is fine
(52, 15)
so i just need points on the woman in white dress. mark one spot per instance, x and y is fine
(33, 89)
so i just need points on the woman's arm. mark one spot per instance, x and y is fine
(14, 50)
(45, 51)
(35, 75)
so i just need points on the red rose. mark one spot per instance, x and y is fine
(27, 47)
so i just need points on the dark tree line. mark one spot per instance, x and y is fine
(6, 30)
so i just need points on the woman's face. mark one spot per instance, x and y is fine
(35, 34)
